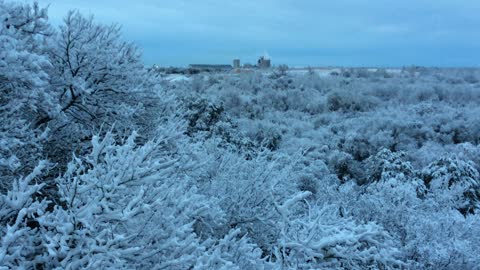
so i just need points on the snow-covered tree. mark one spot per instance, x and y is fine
(24, 96)
(130, 205)
(92, 66)
(123, 206)
(99, 82)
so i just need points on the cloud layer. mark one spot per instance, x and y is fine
(301, 32)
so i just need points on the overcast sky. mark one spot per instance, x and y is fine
(294, 32)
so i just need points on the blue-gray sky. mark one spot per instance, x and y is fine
(294, 32)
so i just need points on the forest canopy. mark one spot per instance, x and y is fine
(108, 164)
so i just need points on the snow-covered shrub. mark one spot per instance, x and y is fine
(386, 164)
(198, 83)
(443, 239)
(362, 73)
(383, 73)
(233, 251)
(432, 233)
(321, 238)
(471, 78)
(305, 100)
(232, 100)
(391, 202)
(244, 189)
(20, 247)
(202, 116)
(279, 72)
(454, 183)
(344, 166)
(264, 135)
(349, 102)
(275, 100)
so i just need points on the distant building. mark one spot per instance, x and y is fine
(236, 63)
(209, 67)
(264, 62)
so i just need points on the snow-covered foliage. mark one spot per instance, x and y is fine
(19, 236)
(131, 204)
(99, 82)
(24, 33)
(107, 165)
(394, 154)
(321, 239)
(92, 63)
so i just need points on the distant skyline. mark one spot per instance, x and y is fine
(294, 32)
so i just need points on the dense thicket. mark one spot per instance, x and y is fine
(107, 165)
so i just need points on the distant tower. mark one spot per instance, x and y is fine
(236, 63)
(264, 62)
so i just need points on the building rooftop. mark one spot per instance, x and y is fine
(210, 66)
